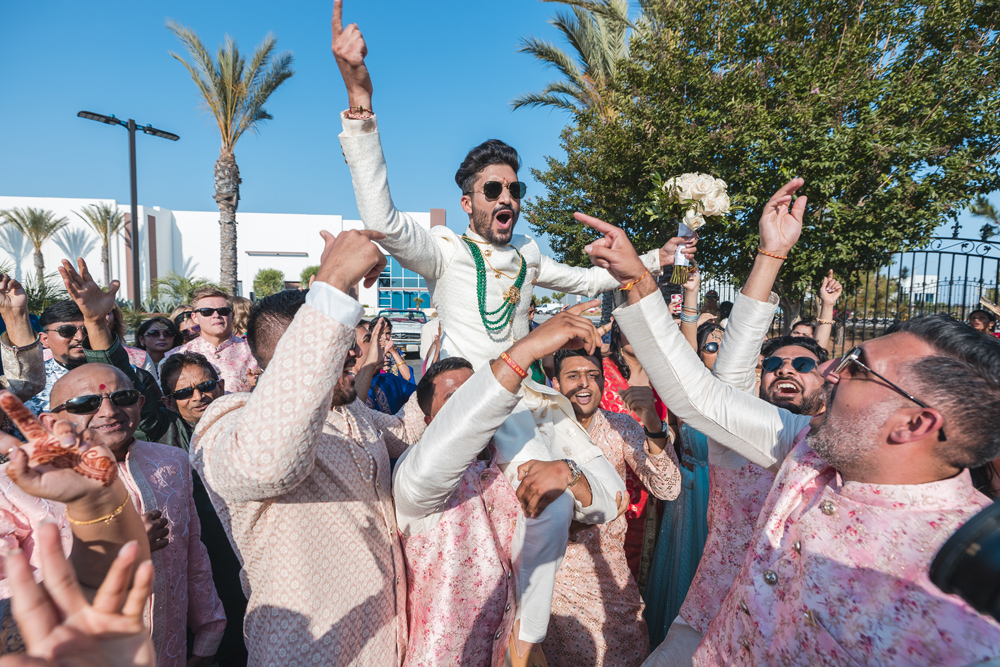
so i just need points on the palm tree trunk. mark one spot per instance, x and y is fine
(227, 196)
(106, 261)
(39, 267)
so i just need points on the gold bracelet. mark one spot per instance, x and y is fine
(627, 287)
(830, 322)
(105, 519)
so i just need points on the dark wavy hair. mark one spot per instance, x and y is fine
(615, 351)
(704, 331)
(148, 324)
(489, 152)
(806, 343)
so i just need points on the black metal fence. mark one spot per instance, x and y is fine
(948, 276)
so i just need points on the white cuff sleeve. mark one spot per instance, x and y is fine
(354, 127)
(330, 301)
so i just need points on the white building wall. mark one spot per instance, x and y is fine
(187, 243)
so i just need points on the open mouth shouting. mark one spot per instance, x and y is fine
(503, 217)
(786, 389)
(585, 397)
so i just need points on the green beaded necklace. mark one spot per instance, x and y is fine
(495, 320)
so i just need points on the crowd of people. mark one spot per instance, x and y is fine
(274, 484)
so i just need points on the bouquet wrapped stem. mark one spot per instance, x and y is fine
(682, 265)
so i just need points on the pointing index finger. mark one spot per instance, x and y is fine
(594, 223)
(23, 418)
(337, 24)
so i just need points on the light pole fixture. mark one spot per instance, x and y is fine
(131, 126)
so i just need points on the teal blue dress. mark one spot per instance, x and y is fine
(683, 531)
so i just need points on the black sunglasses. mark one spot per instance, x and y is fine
(711, 348)
(800, 364)
(225, 311)
(188, 392)
(493, 189)
(159, 333)
(68, 330)
(84, 405)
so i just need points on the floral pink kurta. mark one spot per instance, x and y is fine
(232, 360)
(837, 575)
(157, 477)
(596, 610)
(734, 503)
(461, 594)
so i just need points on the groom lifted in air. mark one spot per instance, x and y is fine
(481, 282)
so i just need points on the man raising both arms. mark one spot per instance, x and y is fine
(496, 270)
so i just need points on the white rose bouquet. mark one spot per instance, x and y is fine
(691, 199)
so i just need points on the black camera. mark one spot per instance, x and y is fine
(968, 565)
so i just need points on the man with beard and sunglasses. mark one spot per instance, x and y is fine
(63, 334)
(837, 570)
(212, 311)
(481, 282)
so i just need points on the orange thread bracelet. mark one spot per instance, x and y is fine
(628, 286)
(513, 364)
(771, 254)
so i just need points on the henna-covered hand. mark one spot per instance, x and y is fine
(62, 465)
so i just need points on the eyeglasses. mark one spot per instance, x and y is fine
(84, 405)
(159, 333)
(711, 348)
(225, 311)
(188, 392)
(68, 330)
(800, 364)
(493, 189)
(854, 357)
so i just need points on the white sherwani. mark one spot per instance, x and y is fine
(446, 264)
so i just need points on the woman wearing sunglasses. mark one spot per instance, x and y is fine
(157, 336)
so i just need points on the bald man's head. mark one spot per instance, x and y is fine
(111, 425)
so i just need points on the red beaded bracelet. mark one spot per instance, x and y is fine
(771, 254)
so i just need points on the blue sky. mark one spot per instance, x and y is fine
(444, 73)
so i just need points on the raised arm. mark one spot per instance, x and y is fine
(752, 428)
(23, 364)
(413, 246)
(829, 293)
(269, 446)
(739, 351)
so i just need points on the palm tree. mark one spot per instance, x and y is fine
(106, 221)
(984, 209)
(234, 91)
(598, 32)
(38, 226)
(175, 289)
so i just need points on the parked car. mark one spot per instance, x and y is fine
(406, 326)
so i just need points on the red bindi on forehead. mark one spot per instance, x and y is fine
(103, 387)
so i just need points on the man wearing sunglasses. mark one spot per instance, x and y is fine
(212, 311)
(63, 333)
(865, 493)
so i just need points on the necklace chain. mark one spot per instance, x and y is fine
(495, 320)
(354, 435)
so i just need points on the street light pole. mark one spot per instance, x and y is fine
(131, 126)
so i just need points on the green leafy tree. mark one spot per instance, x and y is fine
(598, 31)
(44, 293)
(38, 226)
(268, 282)
(889, 110)
(106, 221)
(308, 273)
(984, 209)
(174, 289)
(234, 90)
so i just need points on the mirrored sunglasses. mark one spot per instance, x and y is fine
(84, 405)
(800, 364)
(711, 348)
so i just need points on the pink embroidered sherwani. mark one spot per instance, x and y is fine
(157, 477)
(837, 573)
(738, 487)
(304, 494)
(457, 514)
(232, 360)
(597, 611)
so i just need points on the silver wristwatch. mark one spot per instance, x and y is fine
(575, 469)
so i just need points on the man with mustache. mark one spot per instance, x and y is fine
(866, 492)
(63, 334)
(482, 282)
